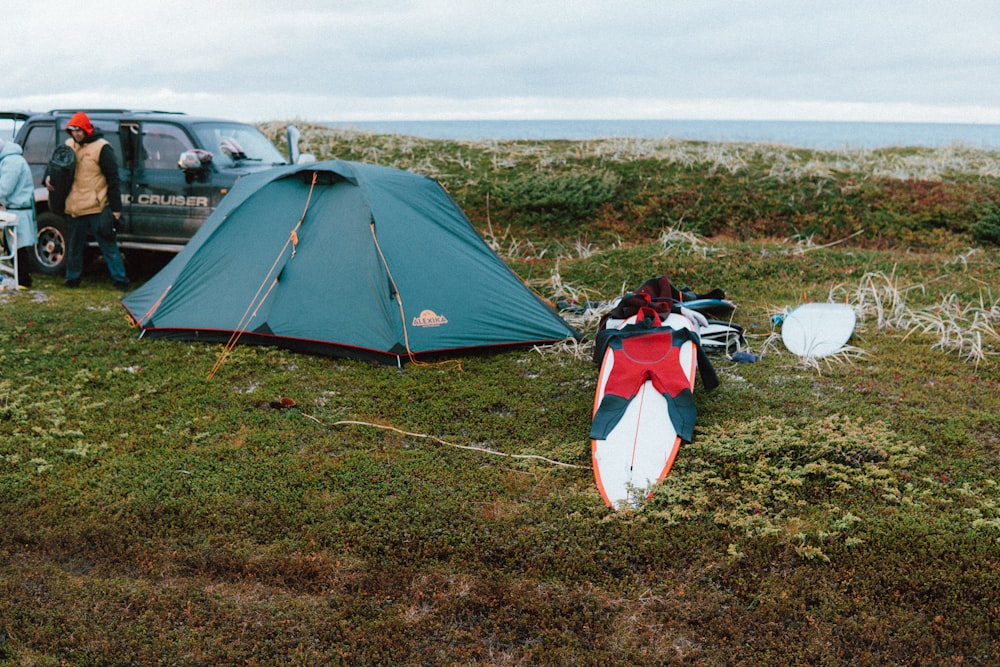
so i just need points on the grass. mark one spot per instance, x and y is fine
(845, 512)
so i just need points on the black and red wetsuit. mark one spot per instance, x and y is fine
(650, 352)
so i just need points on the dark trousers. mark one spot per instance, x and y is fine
(79, 228)
(24, 259)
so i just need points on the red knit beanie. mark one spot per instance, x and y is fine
(81, 121)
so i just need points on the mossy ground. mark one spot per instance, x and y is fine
(845, 512)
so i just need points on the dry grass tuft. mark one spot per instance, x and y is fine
(675, 240)
(970, 330)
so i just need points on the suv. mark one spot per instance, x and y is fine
(174, 168)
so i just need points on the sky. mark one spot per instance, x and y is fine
(312, 60)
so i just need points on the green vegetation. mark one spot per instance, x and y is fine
(986, 229)
(840, 512)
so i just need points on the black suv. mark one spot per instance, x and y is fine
(174, 170)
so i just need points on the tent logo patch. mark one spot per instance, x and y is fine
(428, 318)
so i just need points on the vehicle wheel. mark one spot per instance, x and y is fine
(53, 242)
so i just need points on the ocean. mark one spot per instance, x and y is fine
(820, 135)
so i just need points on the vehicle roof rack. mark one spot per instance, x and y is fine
(53, 112)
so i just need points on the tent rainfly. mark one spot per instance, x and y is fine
(344, 259)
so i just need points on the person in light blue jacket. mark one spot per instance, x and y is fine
(17, 196)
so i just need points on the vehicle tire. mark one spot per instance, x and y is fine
(53, 242)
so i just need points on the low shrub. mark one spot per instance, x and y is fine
(987, 228)
(554, 199)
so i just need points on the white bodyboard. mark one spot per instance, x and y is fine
(818, 329)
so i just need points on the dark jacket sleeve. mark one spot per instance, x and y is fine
(109, 167)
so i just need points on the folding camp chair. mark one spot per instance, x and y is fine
(9, 248)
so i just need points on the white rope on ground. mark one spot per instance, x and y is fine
(445, 442)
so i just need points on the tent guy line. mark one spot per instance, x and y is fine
(289, 403)
(256, 303)
(474, 448)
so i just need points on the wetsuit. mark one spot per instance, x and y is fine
(650, 352)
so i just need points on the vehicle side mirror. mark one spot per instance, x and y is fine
(292, 135)
(194, 160)
(295, 156)
(195, 164)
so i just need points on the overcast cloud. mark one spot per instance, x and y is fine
(921, 60)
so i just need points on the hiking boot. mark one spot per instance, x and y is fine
(75, 282)
(120, 286)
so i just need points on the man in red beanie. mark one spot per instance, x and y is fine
(94, 203)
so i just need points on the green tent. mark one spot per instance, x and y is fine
(346, 259)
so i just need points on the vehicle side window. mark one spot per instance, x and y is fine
(162, 145)
(39, 144)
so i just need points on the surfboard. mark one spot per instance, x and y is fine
(640, 450)
(818, 329)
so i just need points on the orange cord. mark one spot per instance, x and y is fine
(258, 300)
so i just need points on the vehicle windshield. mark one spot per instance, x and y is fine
(9, 124)
(220, 139)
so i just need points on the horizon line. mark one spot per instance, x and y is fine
(655, 120)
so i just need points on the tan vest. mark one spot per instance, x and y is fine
(89, 193)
